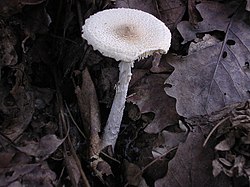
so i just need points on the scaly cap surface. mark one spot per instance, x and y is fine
(126, 34)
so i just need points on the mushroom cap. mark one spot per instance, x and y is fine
(126, 34)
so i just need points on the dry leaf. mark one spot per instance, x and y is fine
(133, 174)
(208, 80)
(215, 17)
(28, 175)
(191, 166)
(170, 12)
(166, 141)
(43, 148)
(8, 55)
(148, 94)
(10, 7)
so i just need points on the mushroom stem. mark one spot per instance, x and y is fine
(113, 124)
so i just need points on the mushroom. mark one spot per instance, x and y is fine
(126, 35)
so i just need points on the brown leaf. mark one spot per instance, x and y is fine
(10, 7)
(8, 55)
(166, 141)
(144, 5)
(226, 144)
(149, 95)
(191, 165)
(170, 12)
(36, 20)
(5, 158)
(90, 112)
(8, 175)
(207, 80)
(42, 149)
(210, 11)
(40, 176)
(133, 174)
(28, 175)
(18, 105)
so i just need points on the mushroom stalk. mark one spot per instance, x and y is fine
(112, 127)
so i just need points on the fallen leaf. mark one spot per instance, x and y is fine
(17, 105)
(149, 95)
(226, 144)
(166, 141)
(133, 174)
(36, 20)
(144, 5)
(210, 11)
(248, 5)
(10, 7)
(170, 12)
(28, 175)
(207, 80)
(43, 148)
(191, 165)
(8, 175)
(42, 175)
(8, 55)
(5, 158)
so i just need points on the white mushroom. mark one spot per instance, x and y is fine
(125, 35)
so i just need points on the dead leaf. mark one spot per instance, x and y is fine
(208, 80)
(11, 7)
(8, 55)
(226, 144)
(191, 165)
(248, 5)
(28, 175)
(166, 141)
(232, 149)
(215, 17)
(144, 5)
(43, 148)
(42, 175)
(90, 112)
(133, 174)
(148, 94)
(17, 105)
(5, 158)
(170, 12)
(36, 20)
(8, 175)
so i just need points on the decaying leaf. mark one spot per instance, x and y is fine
(42, 149)
(17, 105)
(134, 174)
(8, 54)
(170, 12)
(10, 7)
(148, 94)
(27, 175)
(191, 165)
(215, 17)
(210, 79)
(232, 148)
(166, 141)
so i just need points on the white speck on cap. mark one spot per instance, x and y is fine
(126, 34)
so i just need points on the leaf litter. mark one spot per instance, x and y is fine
(216, 75)
(56, 93)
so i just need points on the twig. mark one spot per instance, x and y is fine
(74, 122)
(213, 130)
